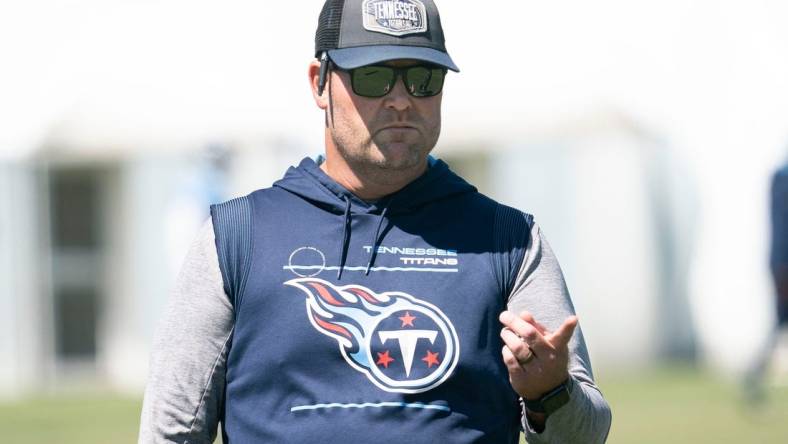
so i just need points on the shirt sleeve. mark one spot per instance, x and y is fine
(540, 288)
(185, 385)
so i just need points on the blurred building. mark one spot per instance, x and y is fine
(640, 134)
(96, 237)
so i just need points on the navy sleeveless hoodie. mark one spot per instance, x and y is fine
(369, 322)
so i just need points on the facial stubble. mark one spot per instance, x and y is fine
(369, 152)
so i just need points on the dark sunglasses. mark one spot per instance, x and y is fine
(379, 80)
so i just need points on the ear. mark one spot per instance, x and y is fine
(314, 75)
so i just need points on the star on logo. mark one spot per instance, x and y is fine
(407, 320)
(431, 359)
(384, 359)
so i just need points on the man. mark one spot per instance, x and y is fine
(753, 389)
(779, 247)
(372, 295)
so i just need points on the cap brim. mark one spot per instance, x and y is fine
(351, 58)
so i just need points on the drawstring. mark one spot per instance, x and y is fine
(374, 252)
(343, 247)
(346, 235)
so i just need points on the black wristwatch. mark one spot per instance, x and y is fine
(552, 400)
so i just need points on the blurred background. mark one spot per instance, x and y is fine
(643, 136)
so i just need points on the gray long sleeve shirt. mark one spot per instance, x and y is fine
(187, 369)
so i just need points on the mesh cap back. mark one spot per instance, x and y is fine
(328, 26)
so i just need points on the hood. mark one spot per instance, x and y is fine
(308, 181)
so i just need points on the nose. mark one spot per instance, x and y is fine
(398, 99)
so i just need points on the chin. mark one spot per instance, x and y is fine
(399, 157)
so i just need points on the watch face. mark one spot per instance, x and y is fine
(556, 401)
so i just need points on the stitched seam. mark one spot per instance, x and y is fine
(525, 241)
(208, 382)
(219, 243)
(493, 266)
(248, 262)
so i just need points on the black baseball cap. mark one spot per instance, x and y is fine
(357, 33)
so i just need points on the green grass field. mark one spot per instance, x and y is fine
(674, 406)
(681, 406)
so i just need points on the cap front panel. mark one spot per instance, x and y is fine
(390, 22)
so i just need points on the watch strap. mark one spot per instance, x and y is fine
(552, 400)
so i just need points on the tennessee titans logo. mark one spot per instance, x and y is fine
(401, 343)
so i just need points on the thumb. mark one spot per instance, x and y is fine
(561, 337)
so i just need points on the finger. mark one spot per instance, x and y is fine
(564, 333)
(526, 331)
(519, 326)
(512, 364)
(529, 318)
(517, 346)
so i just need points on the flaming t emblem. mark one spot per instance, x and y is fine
(401, 343)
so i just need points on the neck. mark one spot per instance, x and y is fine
(369, 182)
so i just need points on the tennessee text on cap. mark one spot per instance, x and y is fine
(356, 33)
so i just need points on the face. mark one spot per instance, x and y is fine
(393, 132)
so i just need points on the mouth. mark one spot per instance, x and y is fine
(399, 127)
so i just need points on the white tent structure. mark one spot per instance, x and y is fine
(641, 134)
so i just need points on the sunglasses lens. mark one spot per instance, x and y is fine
(424, 82)
(372, 81)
